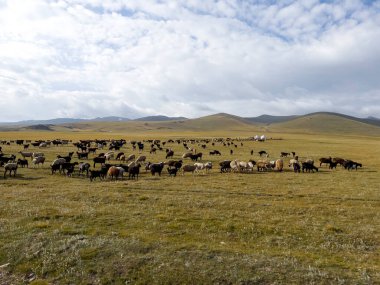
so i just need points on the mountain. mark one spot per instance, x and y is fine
(160, 118)
(328, 123)
(221, 123)
(268, 119)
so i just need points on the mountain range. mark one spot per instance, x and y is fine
(320, 122)
(262, 119)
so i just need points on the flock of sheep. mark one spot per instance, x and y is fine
(132, 165)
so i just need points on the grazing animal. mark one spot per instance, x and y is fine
(187, 154)
(194, 157)
(188, 168)
(67, 158)
(133, 172)
(113, 172)
(338, 160)
(225, 166)
(130, 157)
(262, 152)
(141, 158)
(26, 154)
(22, 162)
(215, 152)
(324, 160)
(4, 159)
(92, 150)
(36, 154)
(68, 166)
(284, 154)
(119, 155)
(263, 165)
(84, 167)
(172, 171)
(38, 160)
(333, 165)
(58, 161)
(279, 164)
(55, 167)
(174, 163)
(100, 160)
(308, 167)
(169, 153)
(349, 164)
(95, 174)
(156, 168)
(109, 155)
(9, 167)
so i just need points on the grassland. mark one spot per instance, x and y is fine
(259, 228)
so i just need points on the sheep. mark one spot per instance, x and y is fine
(188, 168)
(95, 173)
(99, 159)
(324, 160)
(119, 155)
(36, 154)
(26, 154)
(187, 154)
(58, 161)
(112, 172)
(169, 153)
(141, 158)
(307, 166)
(225, 166)
(156, 168)
(4, 159)
(10, 166)
(130, 157)
(109, 155)
(279, 165)
(38, 160)
(235, 165)
(134, 171)
(262, 165)
(82, 155)
(338, 160)
(349, 164)
(22, 162)
(84, 167)
(172, 171)
(121, 171)
(245, 166)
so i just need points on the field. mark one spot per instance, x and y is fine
(214, 228)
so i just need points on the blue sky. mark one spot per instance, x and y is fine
(77, 58)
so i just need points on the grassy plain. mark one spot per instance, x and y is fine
(259, 228)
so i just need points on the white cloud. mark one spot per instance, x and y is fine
(133, 58)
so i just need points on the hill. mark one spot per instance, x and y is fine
(159, 118)
(329, 123)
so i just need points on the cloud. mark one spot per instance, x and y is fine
(187, 58)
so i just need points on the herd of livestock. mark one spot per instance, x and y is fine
(114, 163)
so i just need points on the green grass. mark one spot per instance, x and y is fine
(259, 228)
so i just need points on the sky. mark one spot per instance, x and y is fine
(133, 58)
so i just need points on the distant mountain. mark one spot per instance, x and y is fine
(109, 119)
(60, 121)
(160, 118)
(268, 119)
(328, 123)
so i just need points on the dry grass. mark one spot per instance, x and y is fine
(260, 228)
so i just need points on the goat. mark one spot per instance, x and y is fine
(11, 166)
